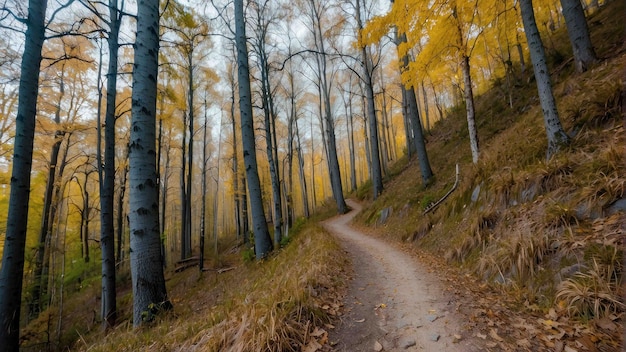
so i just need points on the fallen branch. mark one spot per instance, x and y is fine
(220, 271)
(432, 206)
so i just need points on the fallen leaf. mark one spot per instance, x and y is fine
(523, 343)
(317, 332)
(493, 333)
(312, 346)
(359, 320)
(377, 346)
(558, 346)
(552, 314)
(482, 336)
(606, 324)
(569, 349)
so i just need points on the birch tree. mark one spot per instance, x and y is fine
(578, 31)
(554, 130)
(11, 274)
(149, 293)
(262, 240)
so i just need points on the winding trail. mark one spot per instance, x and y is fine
(393, 303)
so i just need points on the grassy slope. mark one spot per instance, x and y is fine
(545, 232)
(282, 303)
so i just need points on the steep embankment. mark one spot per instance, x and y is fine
(547, 236)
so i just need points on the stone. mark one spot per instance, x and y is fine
(377, 346)
(384, 214)
(475, 194)
(431, 317)
(434, 337)
(406, 342)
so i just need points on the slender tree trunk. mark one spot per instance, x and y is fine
(353, 184)
(120, 212)
(107, 229)
(11, 274)
(469, 107)
(426, 110)
(235, 161)
(263, 242)
(408, 130)
(184, 245)
(522, 61)
(270, 146)
(554, 130)
(204, 193)
(84, 228)
(584, 55)
(376, 172)
(303, 187)
(47, 217)
(245, 221)
(148, 282)
(189, 191)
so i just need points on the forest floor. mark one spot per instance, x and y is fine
(394, 302)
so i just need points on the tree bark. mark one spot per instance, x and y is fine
(578, 32)
(149, 292)
(554, 130)
(469, 108)
(107, 229)
(47, 216)
(366, 63)
(11, 274)
(262, 240)
(410, 108)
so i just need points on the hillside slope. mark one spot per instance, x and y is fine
(548, 236)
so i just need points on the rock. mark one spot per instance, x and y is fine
(384, 215)
(619, 205)
(434, 337)
(406, 342)
(377, 346)
(475, 194)
(431, 317)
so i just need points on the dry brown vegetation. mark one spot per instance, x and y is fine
(283, 303)
(547, 234)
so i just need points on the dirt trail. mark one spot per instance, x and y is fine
(393, 303)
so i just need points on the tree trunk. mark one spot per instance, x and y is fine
(107, 230)
(235, 161)
(270, 134)
(303, 187)
(204, 193)
(584, 55)
(120, 212)
(11, 274)
(412, 116)
(185, 250)
(149, 293)
(376, 173)
(469, 108)
(245, 221)
(555, 133)
(426, 110)
(47, 217)
(262, 240)
(189, 191)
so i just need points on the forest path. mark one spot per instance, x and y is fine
(393, 303)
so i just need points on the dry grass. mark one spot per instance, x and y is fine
(274, 305)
